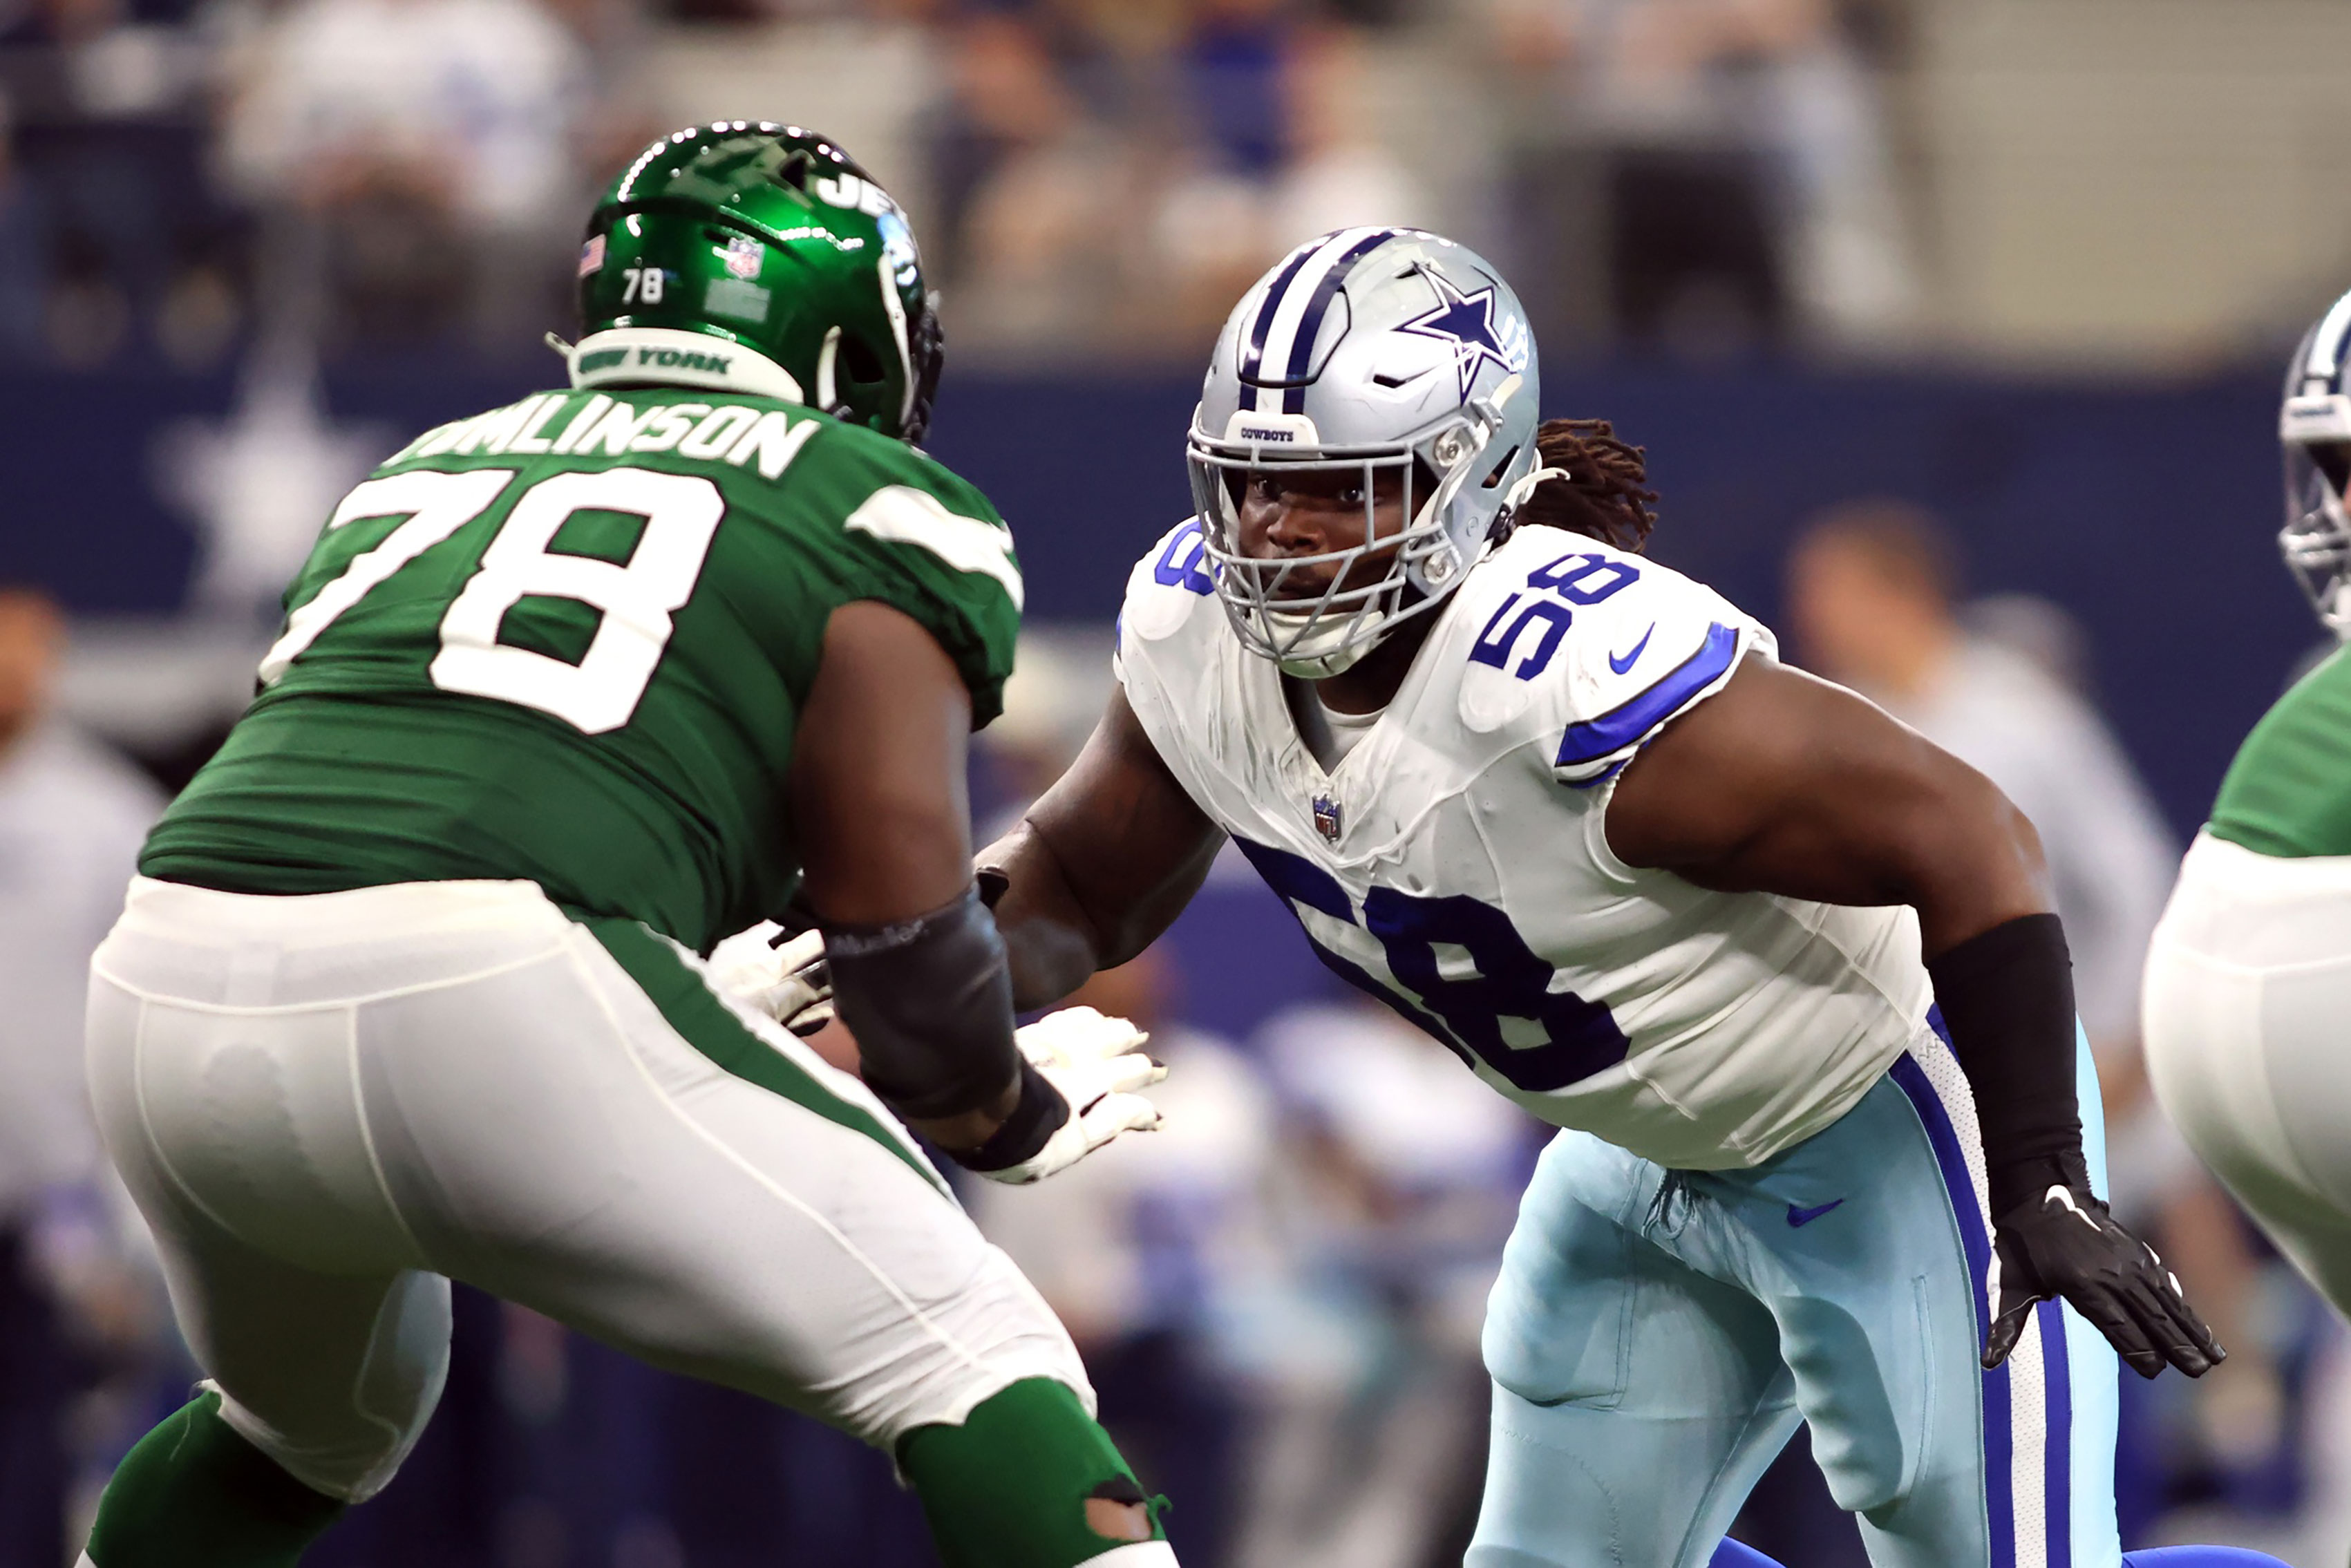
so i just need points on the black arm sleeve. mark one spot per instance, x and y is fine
(2007, 998)
(930, 1002)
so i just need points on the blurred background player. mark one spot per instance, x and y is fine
(1405, 1176)
(1873, 597)
(1684, 984)
(72, 1295)
(2248, 980)
(1140, 1250)
(1873, 601)
(408, 986)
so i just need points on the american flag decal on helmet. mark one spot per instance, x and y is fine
(1326, 816)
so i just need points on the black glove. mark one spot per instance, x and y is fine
(2065, 1244)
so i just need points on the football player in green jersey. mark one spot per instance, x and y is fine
(412, 984)
(2249, 976)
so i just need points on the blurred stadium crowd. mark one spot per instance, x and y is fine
(1096, 176)
(1279, 1296)
(1099, 178)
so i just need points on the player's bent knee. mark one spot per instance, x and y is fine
(349, 1443)
(1028, 1479)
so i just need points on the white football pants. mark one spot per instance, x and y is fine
(2247, 1026)
(329, 1106)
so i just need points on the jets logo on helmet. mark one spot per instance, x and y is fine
(2315, 429)
(774, 240)
(1376, 352)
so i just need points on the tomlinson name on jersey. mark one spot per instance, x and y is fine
(579, 424)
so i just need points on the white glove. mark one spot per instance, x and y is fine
(1096, 1062)
(787, 980)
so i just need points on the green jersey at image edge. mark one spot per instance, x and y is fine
(2288, 793)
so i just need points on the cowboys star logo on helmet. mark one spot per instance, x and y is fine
(1334, 362)
(1467, 320)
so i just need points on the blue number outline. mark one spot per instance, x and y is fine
(1495, 650)
(1465, 1015)
(1568, 576)
(1190, 572)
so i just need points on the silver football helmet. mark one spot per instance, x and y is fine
(2315, 429)
(1367, 350)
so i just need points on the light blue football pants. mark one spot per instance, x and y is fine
(1655, 1337)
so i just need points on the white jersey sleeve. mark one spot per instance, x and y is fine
(1647, 644)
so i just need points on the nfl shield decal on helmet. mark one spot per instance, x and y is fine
(743, 254)
(1326, 816)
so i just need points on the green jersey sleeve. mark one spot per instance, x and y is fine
(900, 529)
(2288, 793)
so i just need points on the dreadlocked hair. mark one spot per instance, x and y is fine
(1605, 495)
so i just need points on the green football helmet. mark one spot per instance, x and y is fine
(773, 241)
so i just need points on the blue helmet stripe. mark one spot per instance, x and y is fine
(2326, 343)
(1309, 326)
(1253, 353)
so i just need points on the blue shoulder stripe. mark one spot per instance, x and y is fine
(1621, 725)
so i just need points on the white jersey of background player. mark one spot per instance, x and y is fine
(1560, 806)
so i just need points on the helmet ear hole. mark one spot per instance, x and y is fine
(2334, 460)
(859, 362)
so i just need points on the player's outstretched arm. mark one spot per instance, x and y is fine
(1100, 865)
(917, 969)
(1781, 783)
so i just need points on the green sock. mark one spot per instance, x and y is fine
(194, 1494)
(1008, 1489)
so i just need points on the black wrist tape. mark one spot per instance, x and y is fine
(2007, 998)
(930, 1002)
(1042, 1112)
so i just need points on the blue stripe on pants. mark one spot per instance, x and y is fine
(1998, 1440)
(2057, 1456)
(1656, 1334)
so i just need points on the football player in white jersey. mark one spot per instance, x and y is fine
(1786, 975)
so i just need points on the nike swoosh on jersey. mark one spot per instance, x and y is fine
(1797, 1217)
(1629, 659)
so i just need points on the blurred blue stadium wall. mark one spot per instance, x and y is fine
(2147, 510)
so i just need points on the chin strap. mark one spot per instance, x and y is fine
(1517, 493)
